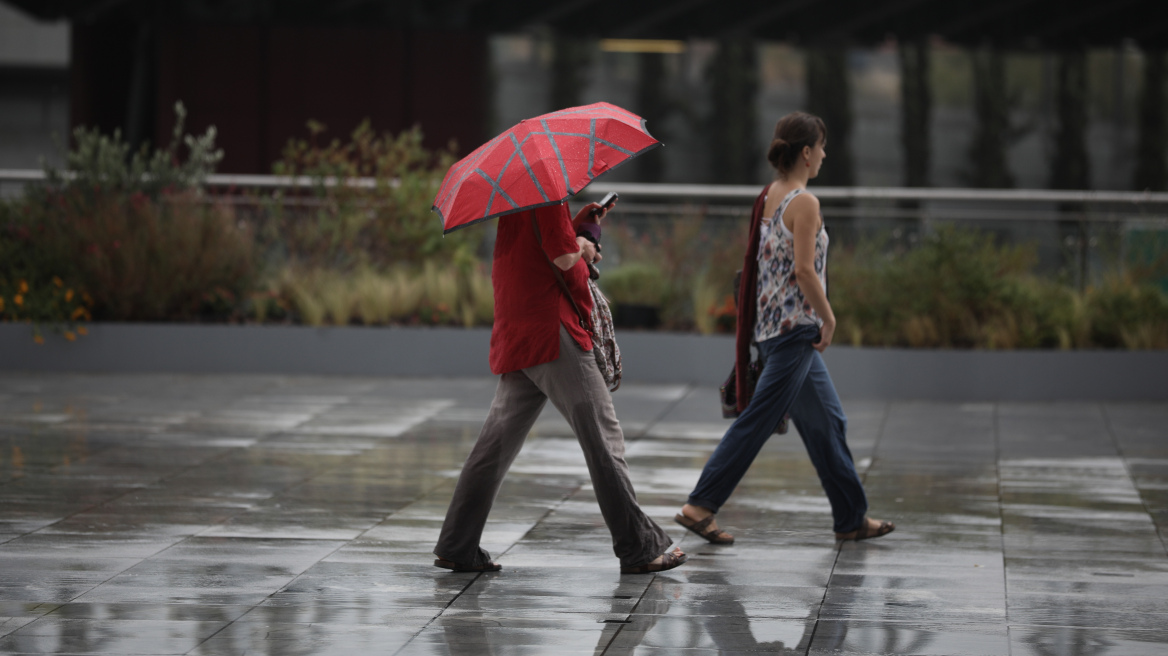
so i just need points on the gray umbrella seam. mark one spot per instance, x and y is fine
(526, 165)
(495, 189)
(556, 147)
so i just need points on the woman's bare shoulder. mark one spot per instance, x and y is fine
(804, 204)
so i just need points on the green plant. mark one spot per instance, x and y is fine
(691, 253)
(1128, 315)
(139, 259)
(129, 230)
(939, 294)
(100, 164)
(383, 224)
(635, 284)
(960, 289)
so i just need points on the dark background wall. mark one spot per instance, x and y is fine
(259, 85)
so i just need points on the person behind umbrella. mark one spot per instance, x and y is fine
(542, 352)
(783, 307)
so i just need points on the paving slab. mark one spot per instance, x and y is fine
(238, 514)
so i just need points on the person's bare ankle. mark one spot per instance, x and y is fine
(696, 512)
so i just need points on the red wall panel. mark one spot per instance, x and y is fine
(218, 72)
(337, 76)
(260, 85)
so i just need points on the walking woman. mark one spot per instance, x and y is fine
(783, 307)
(542, 352)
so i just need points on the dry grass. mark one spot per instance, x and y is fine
(432, 295)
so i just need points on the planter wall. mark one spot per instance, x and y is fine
(859, 373)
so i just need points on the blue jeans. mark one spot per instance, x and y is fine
(794, 379)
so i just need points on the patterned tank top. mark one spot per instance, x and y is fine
(781, 305)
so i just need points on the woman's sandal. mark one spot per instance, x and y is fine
(668, 561)
(713, 536)
(864, 532)
(459, 567)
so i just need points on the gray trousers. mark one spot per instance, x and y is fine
(576, 388)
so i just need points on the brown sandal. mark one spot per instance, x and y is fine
(715, 536)
(863, 533)
(668, 561)
(458, 567)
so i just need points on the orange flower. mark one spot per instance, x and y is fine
(82, 330)
(70, 336)
(68, 295)
(18, 299)
(58, 282)
(77, 313)
(23, 286)
(38, 339)
(1, 303)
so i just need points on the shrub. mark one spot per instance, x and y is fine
(959, 289)
(635, 283)
(350, 226)
(1126, 314)
(940, 294)
(696, 259)
(131, 231)
(101, 164)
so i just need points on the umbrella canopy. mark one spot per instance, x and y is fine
(540, 161)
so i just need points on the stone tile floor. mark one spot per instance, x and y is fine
(151, 514)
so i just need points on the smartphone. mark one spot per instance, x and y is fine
(606, 202)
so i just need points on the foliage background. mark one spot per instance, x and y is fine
(126, 235)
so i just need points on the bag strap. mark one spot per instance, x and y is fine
(560, 278)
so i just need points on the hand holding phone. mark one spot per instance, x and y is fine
(607, 202)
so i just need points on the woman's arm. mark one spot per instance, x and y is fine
(805, 224)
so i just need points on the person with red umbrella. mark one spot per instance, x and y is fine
(540, 346)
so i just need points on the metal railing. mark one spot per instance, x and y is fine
(1077, 233)
(684, 192)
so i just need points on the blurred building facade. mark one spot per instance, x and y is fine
(34, 87)
(1039, 94)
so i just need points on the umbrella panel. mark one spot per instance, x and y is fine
(538, 162)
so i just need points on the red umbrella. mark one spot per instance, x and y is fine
(540, 161)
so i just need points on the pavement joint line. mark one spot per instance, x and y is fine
(996, 418)
(839, 547)
(1127, 468)
(689, 389)
(629, 615)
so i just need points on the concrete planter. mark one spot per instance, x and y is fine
(859, 373)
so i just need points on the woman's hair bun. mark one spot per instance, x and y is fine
(776, 151)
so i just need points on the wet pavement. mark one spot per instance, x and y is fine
(150, 514)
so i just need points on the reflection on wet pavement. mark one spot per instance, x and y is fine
(156, 514)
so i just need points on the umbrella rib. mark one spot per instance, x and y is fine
(591, 147)
(468, 162)
(502, 172)
(495, 189)
(593, 138)
(556, 147)
(526, 165)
